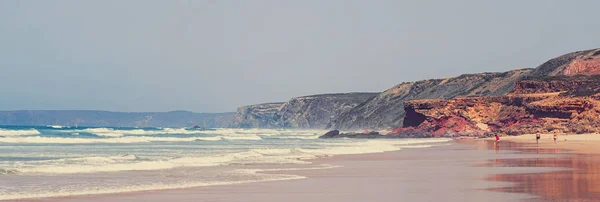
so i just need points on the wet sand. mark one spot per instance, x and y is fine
(573, 143)
(472, 171)
(580, 183)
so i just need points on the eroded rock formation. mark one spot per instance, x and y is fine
(257, 116)
(386, 110)
(315, 111)
(534, 106)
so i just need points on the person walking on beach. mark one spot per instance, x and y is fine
(537, 138)
(555, 137)
(497, 140)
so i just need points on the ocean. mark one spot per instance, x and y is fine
(54, 161)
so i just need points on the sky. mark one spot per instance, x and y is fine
(217, 55)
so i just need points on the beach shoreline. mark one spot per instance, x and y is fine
(465, 170)
(437, 173)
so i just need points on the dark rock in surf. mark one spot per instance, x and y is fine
(370, 135)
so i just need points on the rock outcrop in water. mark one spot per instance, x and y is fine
(366, 135)
(315, 111)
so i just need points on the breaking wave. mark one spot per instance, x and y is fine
(113, 152)
(109, 132)
(7, 133)
(55, 126)
(127, 139)
(131, 162)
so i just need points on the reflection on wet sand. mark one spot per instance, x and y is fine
(580, 183)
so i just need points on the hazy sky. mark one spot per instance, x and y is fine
(213, 56)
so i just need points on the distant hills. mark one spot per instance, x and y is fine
(115, 119)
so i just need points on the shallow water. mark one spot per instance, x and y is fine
(442, 173)
(61, 161)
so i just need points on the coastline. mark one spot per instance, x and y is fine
(448, 173)
(465, 170)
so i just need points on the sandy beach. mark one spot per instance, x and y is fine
(464, 170)
(456, 172)
(572, 143)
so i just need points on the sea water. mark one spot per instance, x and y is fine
(52, 161)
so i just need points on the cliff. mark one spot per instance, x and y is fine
(318, 111)
(566, 104)
(387, 109)
(315, 111)
(115, 119)
(576, 63)
(257, 116)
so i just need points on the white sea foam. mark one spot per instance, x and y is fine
(146, 187)
(303, 137)
(423, 140)
(230, 131)
(318, 167)
(6, 133)
(262, 132)
(109, 132)
(241, 137)
(416, 146)
(262, 148)
(126, 139)
(253, 175)
(252, 156)
(108, 166)
(113, 163)
(229, 134)
(250, 176)
(294, 155)
(55, 126)
(377, 146)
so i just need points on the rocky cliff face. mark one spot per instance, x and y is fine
(534, 106)
(317, 111)
(387, 109)
(577, 63)
(257, 116)
(314, 111)
(572, 84)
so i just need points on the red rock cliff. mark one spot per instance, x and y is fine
(567, 104)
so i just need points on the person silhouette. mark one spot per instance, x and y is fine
(497, 141)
